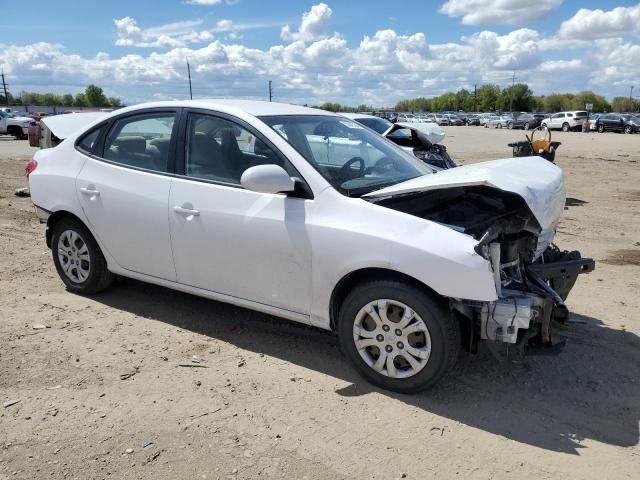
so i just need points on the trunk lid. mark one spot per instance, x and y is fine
(538, 181)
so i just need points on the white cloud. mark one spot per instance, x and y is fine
(592, 24)
(170, 35)
(499, 12)
(313, 66)
(314, 25)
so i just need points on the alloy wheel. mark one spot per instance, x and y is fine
(74, 257)
(391, 338)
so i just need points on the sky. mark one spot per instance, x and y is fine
(357, 51)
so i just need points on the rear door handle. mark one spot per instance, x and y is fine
(89, 192)
(186, 211)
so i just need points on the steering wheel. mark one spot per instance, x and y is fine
(345, 172)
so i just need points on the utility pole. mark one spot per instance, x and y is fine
(513, 83)
(475, 97)
(6, 97)
(630, 93)
(270, 93)
(189, 73)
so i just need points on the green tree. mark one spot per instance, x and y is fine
(625, 104)
(80, 100)
(67, 100)
(600, 103)
(114, 102)
(516, 98)
(95, 96)
(487, 96)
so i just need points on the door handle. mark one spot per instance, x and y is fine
(186, 211)
(89, 193)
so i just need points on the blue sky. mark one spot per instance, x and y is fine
(357, 51)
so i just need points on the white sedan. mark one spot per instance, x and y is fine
(308, 215)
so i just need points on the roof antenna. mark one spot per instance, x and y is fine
(189, 73)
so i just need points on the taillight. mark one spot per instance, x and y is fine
(31, 166)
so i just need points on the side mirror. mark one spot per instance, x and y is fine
(267, 179)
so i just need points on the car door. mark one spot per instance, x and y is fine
(230, 240)
(556, 120)
(123, 188)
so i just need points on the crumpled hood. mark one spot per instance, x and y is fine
(538, 181)
(430, 131)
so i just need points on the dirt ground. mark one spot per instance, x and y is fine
(277, 400)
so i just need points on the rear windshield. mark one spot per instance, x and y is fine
(580, 114)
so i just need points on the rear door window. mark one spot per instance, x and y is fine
(141, 141)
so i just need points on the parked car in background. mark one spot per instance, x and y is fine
(524, 120)
(498, 121)
(37, 116)
(454, 119)
(406, 117)
(472, 119)
(565, 121)
(441, 119)
(418, 138)
(356, 236)
(18, 127)
(592, 120)
(484, 117)
(618, 122)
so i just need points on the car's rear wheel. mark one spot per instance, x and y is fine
(601, 128)
(510, 125)
(78, 258)
(565, 127)
(397, 336)
(628, 129)
(526, 126)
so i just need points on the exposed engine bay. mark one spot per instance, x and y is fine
(532, 276)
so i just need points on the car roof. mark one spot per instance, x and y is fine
(252, 107)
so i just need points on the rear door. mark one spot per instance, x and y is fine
(124, 190)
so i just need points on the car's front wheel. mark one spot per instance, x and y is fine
(78, 258)
(526, 126)
(397, 336)
(601, 128)
(628, 129)
(565, 127)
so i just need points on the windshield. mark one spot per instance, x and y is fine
(379, 125)
(353, 159)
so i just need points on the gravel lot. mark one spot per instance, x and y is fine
(277, 400)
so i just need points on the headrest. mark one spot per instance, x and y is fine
(132, 144)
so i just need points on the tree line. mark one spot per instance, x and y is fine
(518, 97)
(92, 96)
(492, 98)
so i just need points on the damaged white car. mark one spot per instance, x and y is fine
(420, 139)
(256, 204)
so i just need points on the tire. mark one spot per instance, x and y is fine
(601, 128)
(83, 273)
(510, 125)
(628, 129)
(526, 126)
(565, 127)
(434, 326)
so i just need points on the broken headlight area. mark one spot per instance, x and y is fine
(532, 276)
